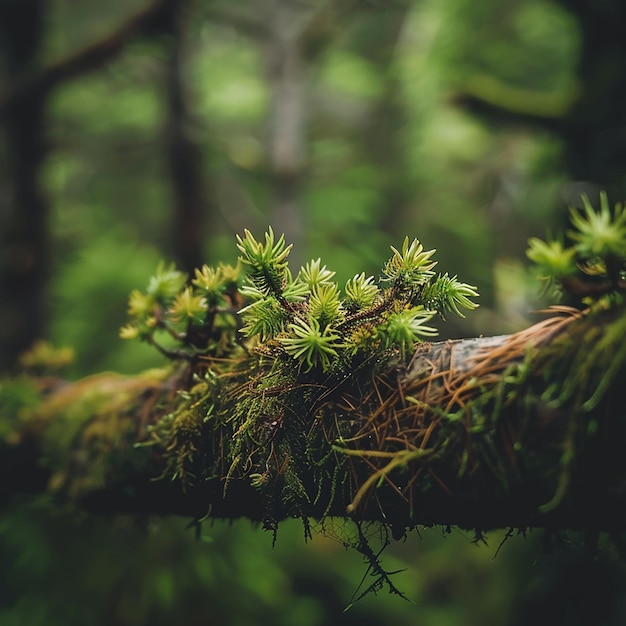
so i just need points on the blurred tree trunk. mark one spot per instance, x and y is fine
(24, 212)
(594, 131)
(24, 209)
(593, 126)
(192, 210)
(296, 36)
(287, 71)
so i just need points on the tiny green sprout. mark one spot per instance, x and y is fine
(188, 307)
(166, 283)
(361, 292)
(553, 260)
(412, 266)
(599, 233)
(129, 331)
(447, 294)
(314, 274)
(325, 304)
(267, 261)
(311, 344)
(212, 282)
(208, 279)
(140, 304)
(294, 290)
(256, 253)
(264, 317)
(404, 328)
(230, 273)
(594, 267)
(142, 328)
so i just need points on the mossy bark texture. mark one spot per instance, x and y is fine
(519, 431)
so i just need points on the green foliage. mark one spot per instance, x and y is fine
(361, 292)
(405, 327)
(306, 318)
(410, 268)
(197, 317)
(447, 294)
(599, 233)
(593, 266)
(166, 283)
(267, 262)
(309, 319)
(111, 172)
(553, 260)
(310, 344)
(280, 342)
(584, 363)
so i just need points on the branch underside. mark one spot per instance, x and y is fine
(525, 430)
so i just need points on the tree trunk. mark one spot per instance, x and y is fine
(24, 234)
(192, 210)
(24, 239)
(287, 75)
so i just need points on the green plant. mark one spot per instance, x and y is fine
(307, 318)
(593, 266)
(316, 396)
(304, 320)
(592, 269)
(268, 348)
(186, 319)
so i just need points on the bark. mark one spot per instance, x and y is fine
(519, 431)
(24, 208)
(192, 210)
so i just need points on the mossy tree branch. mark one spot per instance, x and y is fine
(481, 433)
(335, 406)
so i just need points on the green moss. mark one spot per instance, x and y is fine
(18, 397)
(579, 370)
(84, 426)
(184, 433)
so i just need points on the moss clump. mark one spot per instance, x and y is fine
(316, 395)
(271, 350)
(318, 400)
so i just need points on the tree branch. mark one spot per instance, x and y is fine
(526, 430)
(490, 98)
(147, 21)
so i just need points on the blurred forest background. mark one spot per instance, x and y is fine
(135, 131)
